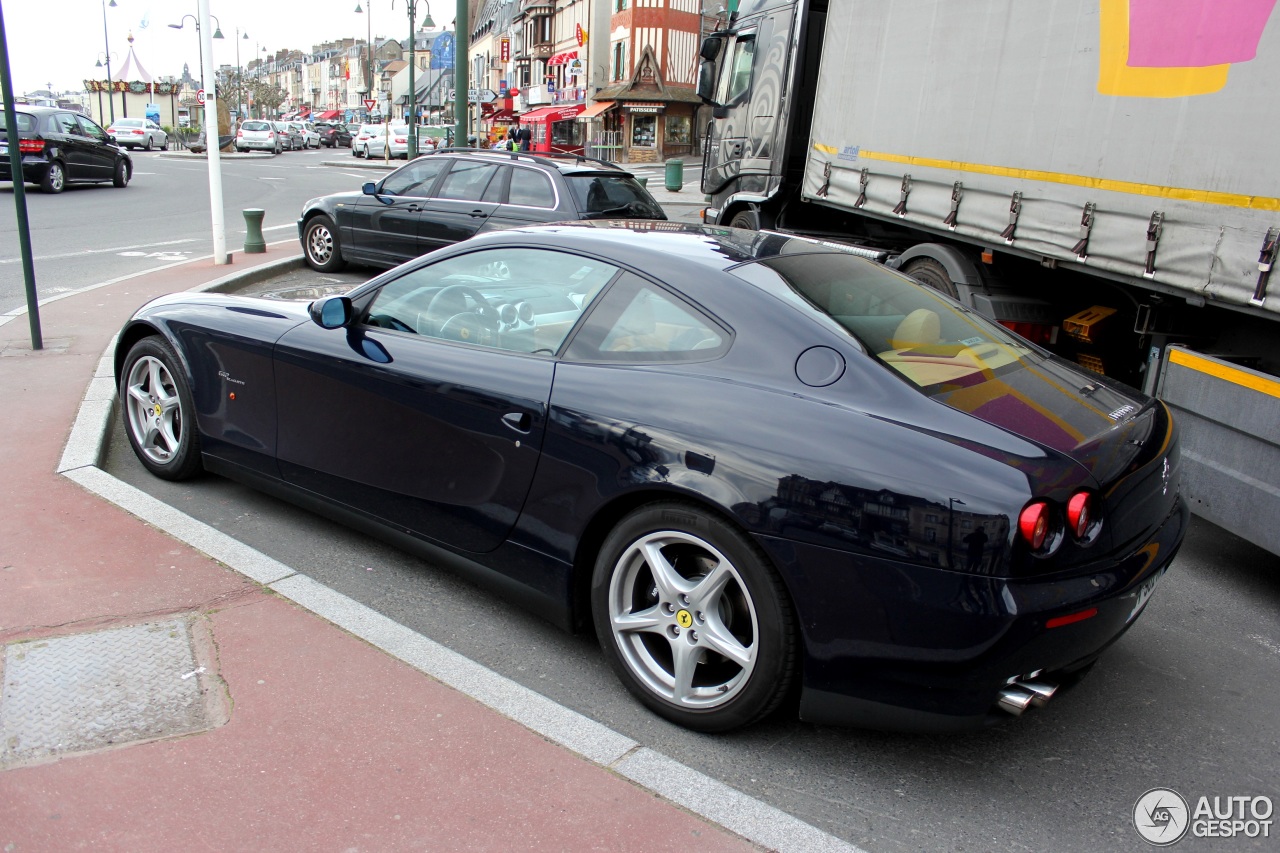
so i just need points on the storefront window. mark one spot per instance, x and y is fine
(643, 131)
(567, 133)
(678, 130)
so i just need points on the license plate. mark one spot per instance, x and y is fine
(1144, 595)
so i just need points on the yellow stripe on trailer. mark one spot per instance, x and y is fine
(1226, 372)
(1250, 202)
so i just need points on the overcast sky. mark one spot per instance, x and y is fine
(59, 41)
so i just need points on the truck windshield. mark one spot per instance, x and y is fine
(935, 343)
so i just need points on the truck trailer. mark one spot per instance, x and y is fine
(1097, 175)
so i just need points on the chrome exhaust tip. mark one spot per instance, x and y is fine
(1015, 700)
(1041, 691)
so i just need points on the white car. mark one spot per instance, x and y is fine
(138, 133)
(369, 137)
(375, 146)
(261, 135)
(310, 136)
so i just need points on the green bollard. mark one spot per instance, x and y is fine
(253, 242)
(642, 180)
(675, 174)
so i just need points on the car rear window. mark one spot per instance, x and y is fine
(26, 123)
(935, 343)
(255, 125)
(128, 122)
(605, 196)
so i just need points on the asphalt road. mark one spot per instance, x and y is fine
(1186, 700)
(95, 233)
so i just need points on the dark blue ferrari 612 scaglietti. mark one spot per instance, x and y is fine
(758, 465)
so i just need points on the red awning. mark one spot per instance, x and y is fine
(304, 112)
(552, 113)
(562, 58)
(328, 114)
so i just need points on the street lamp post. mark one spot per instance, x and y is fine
(106, 46)
(413, 61)
(110, 103)
(239, 75)
(217, 33)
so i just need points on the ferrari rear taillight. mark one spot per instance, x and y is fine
(31, 146)
(1080, 514)
(1033, 524)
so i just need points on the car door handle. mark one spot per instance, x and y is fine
(476, 214)
(518, 421)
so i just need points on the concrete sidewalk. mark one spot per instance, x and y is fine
(153, 697)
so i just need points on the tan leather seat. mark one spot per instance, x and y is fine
(920, 328)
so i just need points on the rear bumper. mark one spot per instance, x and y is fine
(909, 647)
(33, 169)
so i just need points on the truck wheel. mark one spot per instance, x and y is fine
(931, 273)
(743, 219)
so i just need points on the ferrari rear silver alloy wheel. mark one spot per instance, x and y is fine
(154, 410)
(683, 620)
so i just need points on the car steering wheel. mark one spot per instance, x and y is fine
(468, 327)
(453, 300)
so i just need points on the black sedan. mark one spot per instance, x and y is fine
(333, 134)
(455, 193)
(757, 465)
(60, 147)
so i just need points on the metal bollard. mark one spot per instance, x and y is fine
(253, 241)
(642, 180)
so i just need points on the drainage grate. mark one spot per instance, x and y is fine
(92, 691)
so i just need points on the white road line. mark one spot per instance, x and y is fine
(706, 797)
(266, 178)
(86, 252)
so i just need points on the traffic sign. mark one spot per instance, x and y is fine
(486, 96)
(200, 97)
(370, 103)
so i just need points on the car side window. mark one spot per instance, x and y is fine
(89, 128)
(416, 179)
(466, 181)
(531, 188)
(638, 321)
(515, 299)
(66, 123)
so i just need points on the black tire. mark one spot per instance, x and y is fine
(749, 614)
(55, 178)
(743, 219)
(321, 245)
(120, 178)
(148, 146)
(931, 273)
(159, 410)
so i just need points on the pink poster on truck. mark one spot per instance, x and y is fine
(1195, 33)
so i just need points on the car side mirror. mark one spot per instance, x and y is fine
(332, 312)
(370, 188)
(111, 139)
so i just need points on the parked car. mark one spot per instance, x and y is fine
(260, 134)
(138, 133)
(364, 139)
(749, 461)
(290, 137)
(447, 196)
(60, 147)
(307, 133)
(333, 135)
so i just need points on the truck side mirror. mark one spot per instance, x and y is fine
(707, 82)
(710, 48)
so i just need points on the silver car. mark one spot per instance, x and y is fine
(290, 138)
(310, 136)
(260, 135)
(138, 133)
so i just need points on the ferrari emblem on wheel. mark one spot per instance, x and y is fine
(684, 618)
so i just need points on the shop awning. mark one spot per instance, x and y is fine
(552, 113)
(562, 58)
(597, 109)
(328, 115)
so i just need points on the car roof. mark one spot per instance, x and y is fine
(566, 164)
(644, 243)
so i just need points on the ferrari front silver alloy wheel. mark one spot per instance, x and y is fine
(154, 410)
(683, 620)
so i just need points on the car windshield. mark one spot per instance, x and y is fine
(601, 196)
(255, 125)
(937, 344)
